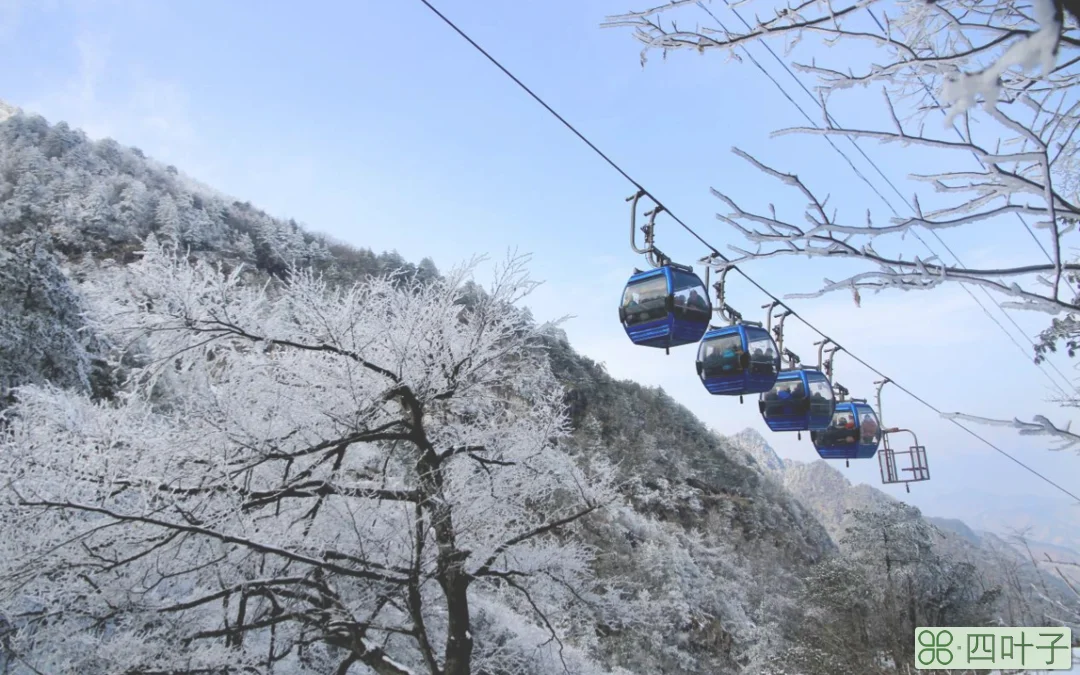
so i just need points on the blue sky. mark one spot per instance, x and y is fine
(375, 123)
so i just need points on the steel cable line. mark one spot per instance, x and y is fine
(717, 253)
(881, 173)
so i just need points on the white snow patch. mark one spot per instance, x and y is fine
(1036, 49)
(395, 664)
(7, 111)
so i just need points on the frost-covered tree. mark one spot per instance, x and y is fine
(134, 206)
(43, 337)
(301, 478)
(1013, 157)
(892, 574)
(168, 221)
(912, 584)
(839, 628)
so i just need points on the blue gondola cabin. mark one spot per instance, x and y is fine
(665, 307)
(737, 360)
(854, 433)
(801, 400)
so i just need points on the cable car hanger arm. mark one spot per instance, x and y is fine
(826, 364)
(778, 331)
(726, 311)
(793, 358)
(654, 255)
(880, 385)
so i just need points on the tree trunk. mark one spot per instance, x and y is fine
(452, 578)
(455, 584)
(450, 573)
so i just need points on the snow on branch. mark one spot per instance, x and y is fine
(1040, 426)
(1016, 156)
(997, 41)
(293, 467)
(1038, 48)
(824, 236)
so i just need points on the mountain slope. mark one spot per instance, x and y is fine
(828, 494)
(721, 550)
(989, 527)
(822, 489)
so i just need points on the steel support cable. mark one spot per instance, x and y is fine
(720, 255)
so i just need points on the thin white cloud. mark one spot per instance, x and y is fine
(93, 51)
(12, 12)
(151, 113)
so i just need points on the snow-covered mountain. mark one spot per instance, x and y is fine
(820, 487)
(971, 513)
(732, 550)
(703, 534)
(830, 497)
(983, 519)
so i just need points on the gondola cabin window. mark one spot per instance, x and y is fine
(691, 301)
(869, 430)
(721, 356)
(646, 300)
(762, 354)
(821, 399)
(782, 398)
(842, 430)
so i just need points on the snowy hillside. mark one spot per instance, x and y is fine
(833, 500)
(216, 400)
(70, 209)
(7, 111)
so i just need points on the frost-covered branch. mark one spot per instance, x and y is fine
(1040, 426)
(545, 528)
(995, 41)
(294, 473)
(988, 84)
(824, 236)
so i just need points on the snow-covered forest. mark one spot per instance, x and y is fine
(228, 444)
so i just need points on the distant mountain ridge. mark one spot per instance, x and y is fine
(957, 526)
(976, 513)
(1049, 520)
(828, 494)
(979, 513)
(822, 489)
